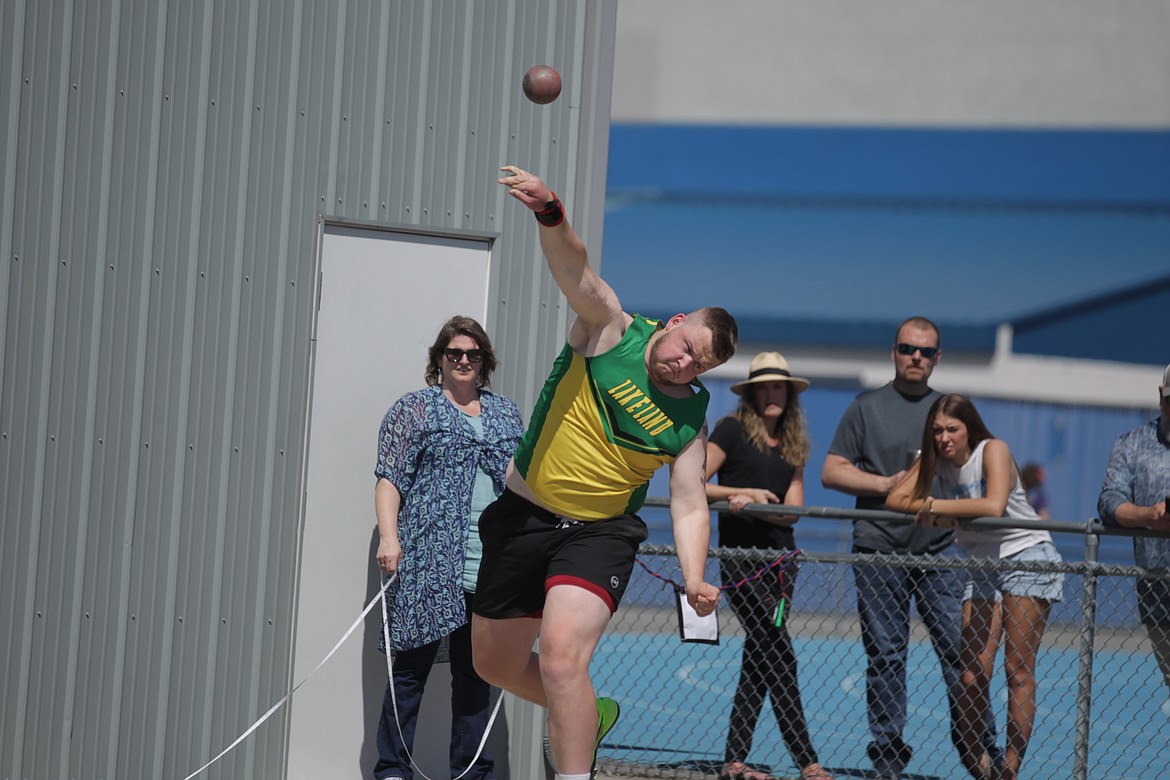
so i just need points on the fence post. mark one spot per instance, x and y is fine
(1088, 635)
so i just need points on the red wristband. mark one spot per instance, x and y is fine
(552, 214)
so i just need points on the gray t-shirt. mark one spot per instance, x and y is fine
(878, 433)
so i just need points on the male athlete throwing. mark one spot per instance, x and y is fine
(559, 543)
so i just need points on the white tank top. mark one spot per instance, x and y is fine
(968, 481)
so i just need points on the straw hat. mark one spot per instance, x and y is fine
(770, 367)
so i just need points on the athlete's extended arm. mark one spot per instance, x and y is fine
(692, 522)
(591, 298)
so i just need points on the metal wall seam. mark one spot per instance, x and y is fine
(140, 332)
(15, 47)
(43, 588)
(173, 610)
(376, 209)
(286, 228)
(12, 728)
(72, 749)
(268, 590)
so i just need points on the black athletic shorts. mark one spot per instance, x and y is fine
(528, 549)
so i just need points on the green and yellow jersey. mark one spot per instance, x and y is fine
(601, 429)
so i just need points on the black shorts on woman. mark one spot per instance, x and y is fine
(528, 549)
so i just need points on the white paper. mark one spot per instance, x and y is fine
(692, 627)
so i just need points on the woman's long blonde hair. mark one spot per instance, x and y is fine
(792, 432)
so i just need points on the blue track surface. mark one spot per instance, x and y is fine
(670, 692)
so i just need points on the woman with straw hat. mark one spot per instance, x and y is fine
(758, 454)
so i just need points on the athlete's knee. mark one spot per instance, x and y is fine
(562, 666)
(489, 658)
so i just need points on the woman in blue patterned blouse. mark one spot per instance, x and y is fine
(442, 453)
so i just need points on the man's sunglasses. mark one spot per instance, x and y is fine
(455, 355)
(910, 349)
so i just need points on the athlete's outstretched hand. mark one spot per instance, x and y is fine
(703, 597)
(526, 187)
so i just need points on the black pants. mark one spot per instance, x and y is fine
(768, 667)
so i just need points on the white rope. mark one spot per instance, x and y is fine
(381, 595)
(394, 702)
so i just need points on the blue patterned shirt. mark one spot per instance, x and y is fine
(1139, 473)
(431, 455)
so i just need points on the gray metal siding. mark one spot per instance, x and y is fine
(164, 166)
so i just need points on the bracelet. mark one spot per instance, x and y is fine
(552, 214)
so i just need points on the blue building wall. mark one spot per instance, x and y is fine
(830, 236)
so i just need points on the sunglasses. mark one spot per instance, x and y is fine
(910, 349)
(455, 355)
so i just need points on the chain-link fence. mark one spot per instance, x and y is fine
(1100, 702)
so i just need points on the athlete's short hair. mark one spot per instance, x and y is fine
(724, 331)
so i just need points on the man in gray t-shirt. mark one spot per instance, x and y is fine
(876, 441)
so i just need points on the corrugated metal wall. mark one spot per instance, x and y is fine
(164, 165)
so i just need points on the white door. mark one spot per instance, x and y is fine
(384, 296)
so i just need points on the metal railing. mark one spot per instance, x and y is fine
(677, 696)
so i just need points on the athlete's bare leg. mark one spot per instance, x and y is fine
(557, 677)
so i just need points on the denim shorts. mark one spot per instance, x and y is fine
(993, 584)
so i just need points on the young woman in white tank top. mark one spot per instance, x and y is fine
(965, 472)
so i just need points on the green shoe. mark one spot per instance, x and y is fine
(607, 715)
